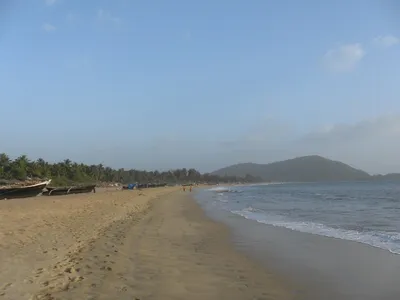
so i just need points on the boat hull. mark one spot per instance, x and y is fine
(56, 191)
(23, 192)
(150, 185)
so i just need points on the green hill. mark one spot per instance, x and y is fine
(300, 169)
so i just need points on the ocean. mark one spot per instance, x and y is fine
(365, 212)
(345, 235)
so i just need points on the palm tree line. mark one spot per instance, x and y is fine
(68, 172)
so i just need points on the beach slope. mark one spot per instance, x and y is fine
(119, 245)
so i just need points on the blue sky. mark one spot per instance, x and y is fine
(165, 84)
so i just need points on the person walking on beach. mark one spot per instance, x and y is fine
(184, 188)
(190, 188)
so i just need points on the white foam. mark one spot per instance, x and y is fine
(219, 189)
(385, 240)
(223, 189)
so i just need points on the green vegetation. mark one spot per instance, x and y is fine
(301, 169)
(68, 172)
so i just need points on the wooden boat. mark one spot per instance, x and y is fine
(67, 190)
(23, 191)
(150, 185)
(130, 186)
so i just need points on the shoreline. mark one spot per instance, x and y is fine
(323, 267)
(158, 246)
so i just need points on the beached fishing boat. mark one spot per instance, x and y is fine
(150, 185)
(130, 186)
(67, 190)
(23, 191)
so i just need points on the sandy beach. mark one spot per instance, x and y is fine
(154, 244)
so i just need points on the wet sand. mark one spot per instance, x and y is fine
(119, 245)
(322, 267)
(327, 268)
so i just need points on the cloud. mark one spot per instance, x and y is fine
(71, 17)
(344, 58)
(266, 134)
(50, 2)
(105, 16)
(48, 27)
(188, 35)
(371, 144)
(83, 62)
(386, 41)
(383, 126)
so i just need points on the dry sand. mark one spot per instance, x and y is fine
(122, 245)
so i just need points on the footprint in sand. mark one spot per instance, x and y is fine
(6, 286)
(123, 289)
(45, 283)
(77, 279)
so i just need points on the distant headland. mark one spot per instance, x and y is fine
(311, 168)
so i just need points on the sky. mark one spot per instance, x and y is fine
(204, 84)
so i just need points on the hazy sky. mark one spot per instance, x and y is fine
(165, 84)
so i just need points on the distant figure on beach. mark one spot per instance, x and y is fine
(184, 188)
(190, 188)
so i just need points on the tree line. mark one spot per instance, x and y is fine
(68, 172)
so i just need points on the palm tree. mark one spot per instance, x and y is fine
(22, 161)
(67, 172)
(4, 165)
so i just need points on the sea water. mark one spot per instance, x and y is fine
(334, 240)
(365, 212)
